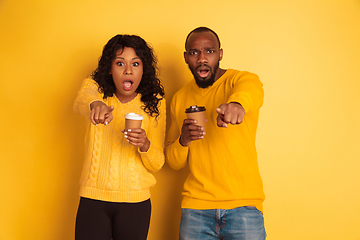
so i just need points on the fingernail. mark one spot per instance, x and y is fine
(129, 130)
(106, 123)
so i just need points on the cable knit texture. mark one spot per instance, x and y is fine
(114, 170)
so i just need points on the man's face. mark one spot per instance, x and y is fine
(202, 56)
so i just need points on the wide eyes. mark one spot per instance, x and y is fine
(209, 51)
(134, 64)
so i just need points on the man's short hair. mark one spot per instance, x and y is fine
(199, 30)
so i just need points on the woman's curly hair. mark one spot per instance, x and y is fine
(150, 87)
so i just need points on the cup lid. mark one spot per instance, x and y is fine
(195, 108)
(134, 116)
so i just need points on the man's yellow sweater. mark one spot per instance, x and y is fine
(114, 170)
(224, 172)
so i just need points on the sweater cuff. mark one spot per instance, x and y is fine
(177, 155)
(152, 159)
(180, 148)
(242, 101)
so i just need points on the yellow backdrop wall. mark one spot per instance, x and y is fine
(306, 53)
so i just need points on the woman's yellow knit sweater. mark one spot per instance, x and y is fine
(114, 170)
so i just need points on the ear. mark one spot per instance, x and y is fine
(221, 54)
(185, 57)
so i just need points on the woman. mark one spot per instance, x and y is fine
(116, 179)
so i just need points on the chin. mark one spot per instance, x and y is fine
(204, 83)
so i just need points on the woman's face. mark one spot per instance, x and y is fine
(126, 70)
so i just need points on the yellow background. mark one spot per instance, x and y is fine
(306, 52)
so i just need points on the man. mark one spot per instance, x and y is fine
(223, 194)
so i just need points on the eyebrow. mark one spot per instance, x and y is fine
(131, 59)
(207, 48)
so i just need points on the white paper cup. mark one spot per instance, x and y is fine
(133, 120)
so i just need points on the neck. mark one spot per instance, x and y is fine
(219, 73)
(125, 99)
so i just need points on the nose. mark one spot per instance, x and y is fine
(202, 57)
(128, 70)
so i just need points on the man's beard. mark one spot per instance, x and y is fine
(204, 83)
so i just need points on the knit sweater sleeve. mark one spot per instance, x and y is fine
(154, 158)
(87, 94)
(176, 154)
(247, 90)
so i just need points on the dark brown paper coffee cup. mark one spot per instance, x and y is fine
(133, 120)
(197, 113)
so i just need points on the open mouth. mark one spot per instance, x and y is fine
(127, 84)
(203, 71)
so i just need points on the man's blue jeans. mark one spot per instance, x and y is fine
(243, 223)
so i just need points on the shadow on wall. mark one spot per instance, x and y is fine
(166, 195)
(174, 73)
